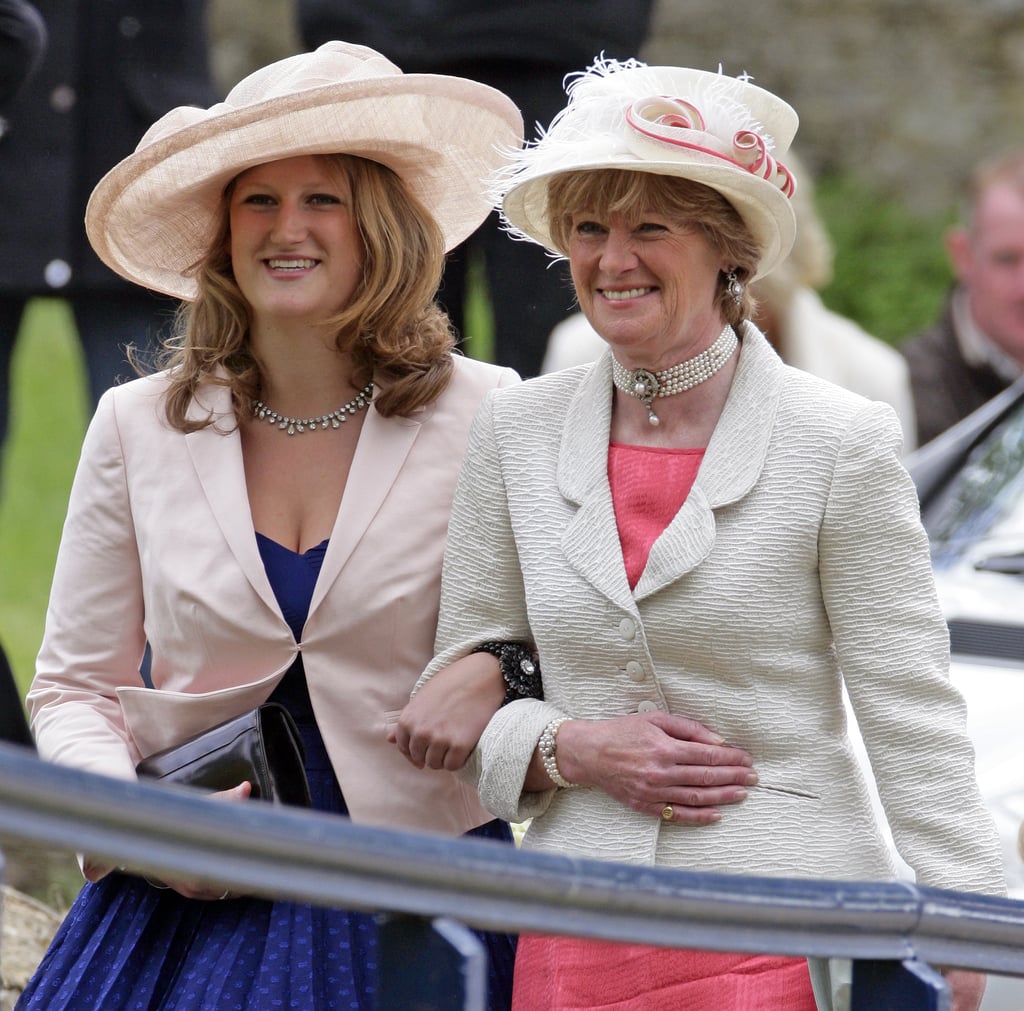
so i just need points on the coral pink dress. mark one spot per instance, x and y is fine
(574, 974)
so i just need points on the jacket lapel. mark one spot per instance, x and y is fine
(590, 541)
(732, 464)
(216, 453)
(384, 444)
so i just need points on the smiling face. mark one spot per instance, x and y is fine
(295, 247)
(648, 286)
(649, 255)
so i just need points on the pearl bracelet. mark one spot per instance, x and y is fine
(546, 747)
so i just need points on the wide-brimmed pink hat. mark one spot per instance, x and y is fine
(721, 131)
(151, 218)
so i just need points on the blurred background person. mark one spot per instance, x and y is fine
(524, 50)
(976, 347)
(111, 68)
(790, 313)
(22, 44)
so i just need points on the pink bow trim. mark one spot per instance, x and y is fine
(670, 121)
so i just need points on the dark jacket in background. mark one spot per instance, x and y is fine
(112, 67)
(22, 42)
(419, 34)
(945, 387)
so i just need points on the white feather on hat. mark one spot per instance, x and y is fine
(721, 131)
(151, 218)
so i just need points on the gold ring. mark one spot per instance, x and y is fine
(667, 812)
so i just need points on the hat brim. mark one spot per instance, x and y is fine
(151, 218)
(765, 209)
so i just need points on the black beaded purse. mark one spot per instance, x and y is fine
(262, 746)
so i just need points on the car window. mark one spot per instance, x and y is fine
(984, 501)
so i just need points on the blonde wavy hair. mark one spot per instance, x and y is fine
(632, 194)
(392, 327)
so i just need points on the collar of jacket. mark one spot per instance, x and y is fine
(732, 464)
(735, 454)
(216, 452)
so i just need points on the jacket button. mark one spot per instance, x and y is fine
(627, 629)
(647, 706)
(635, 671)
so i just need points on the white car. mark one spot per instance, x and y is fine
(971, 484)
(970, 481)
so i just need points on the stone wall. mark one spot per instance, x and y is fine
(906, 93)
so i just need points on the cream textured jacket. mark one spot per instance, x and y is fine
(797, 562)
(159, 545)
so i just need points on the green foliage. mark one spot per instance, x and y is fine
(479, 321)
(891, 271)
(49, 410)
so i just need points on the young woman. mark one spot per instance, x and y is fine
(269, 512)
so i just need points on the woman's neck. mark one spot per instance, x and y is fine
(685, 420)
(303, 372)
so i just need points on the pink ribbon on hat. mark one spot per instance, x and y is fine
(668, 120)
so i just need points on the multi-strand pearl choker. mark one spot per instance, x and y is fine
(645, 386)
(332, 420)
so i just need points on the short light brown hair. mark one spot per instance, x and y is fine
(624, 191)
(1006, 169)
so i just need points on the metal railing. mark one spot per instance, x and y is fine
(428, 886)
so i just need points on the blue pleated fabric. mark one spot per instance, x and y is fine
(126, 946)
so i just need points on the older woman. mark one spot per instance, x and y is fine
(268, 513)
(689, 528)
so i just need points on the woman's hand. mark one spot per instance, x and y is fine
(968, 988)
(197, 890)
(652, 761)
(443, 721)
(94, 870)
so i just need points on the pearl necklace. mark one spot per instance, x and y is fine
(334, 419)
(645, 386)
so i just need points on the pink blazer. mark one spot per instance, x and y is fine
(159, 546)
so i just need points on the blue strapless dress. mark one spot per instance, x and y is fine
(126, 945)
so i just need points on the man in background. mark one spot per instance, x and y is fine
(976, 348)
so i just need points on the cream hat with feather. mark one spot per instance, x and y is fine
(721, 131)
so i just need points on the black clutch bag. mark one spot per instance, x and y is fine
(262, 746)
